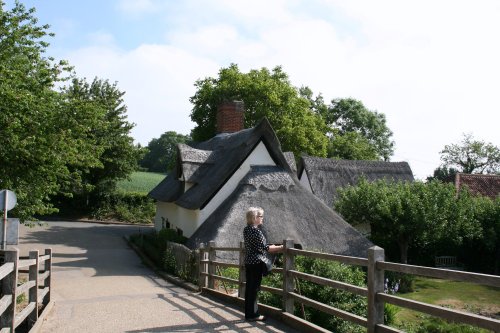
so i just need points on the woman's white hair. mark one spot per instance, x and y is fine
(252, 213)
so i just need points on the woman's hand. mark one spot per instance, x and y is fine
(275, 248)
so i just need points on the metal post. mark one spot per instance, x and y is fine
(288, 281)
(242, 277)
(375, 285)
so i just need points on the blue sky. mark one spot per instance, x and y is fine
(430, 66)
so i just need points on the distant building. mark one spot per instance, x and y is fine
(206, 197)
(324, 176)
(479, 184)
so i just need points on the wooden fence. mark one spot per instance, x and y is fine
(376, 266)
(20, 276)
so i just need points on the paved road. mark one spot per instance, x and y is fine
(100, 285)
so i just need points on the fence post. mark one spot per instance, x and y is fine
(288, 281)
(48, 280)
(242, 271)
(33, 293)
(211, 265)
(9, 286)
(375, 285)
(202, 279)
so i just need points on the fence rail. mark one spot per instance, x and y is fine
(37, 286)
(376, 265)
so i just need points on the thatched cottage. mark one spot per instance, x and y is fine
(206, 196)
(324, 176)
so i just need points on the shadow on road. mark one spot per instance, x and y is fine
(78, 245)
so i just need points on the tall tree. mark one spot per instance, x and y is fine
(108, 130)
(472, 156)
(35, 148)
(162, 152)
(372, 138)
(265, 94)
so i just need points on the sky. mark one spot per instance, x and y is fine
(432, 67)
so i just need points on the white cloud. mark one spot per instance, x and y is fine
(431, 67)
(158, 81)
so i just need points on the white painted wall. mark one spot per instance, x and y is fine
(165, 210)
(179, 217)
(190, 220)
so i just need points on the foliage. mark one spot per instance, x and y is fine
(407, 214)
(33, 138)
(351, 146)
(265, 94)
(349, 119)
(327, 295)
(140, 182)
(66, 144)
(168, 261)
(482, 253)
(405, 281)
(443, 174)
(162, 152)
(472, 156)
(155, 243)
(128, 207)
(110, 135)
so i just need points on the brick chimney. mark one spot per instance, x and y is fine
(230, 117)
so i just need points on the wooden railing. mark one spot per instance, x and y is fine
(376, 266)
(20, 276)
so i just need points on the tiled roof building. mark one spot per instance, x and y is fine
(479, 184)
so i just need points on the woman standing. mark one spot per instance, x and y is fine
(256, 251)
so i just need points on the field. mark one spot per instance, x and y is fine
(469, 297)
(141, 182)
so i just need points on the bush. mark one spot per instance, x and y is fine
(333, 297)
(404, 281)
(154, 245)
(121, 206)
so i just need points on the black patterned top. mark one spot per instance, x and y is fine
(255, 245)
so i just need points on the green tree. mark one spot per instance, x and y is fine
(443, 174)
(482, 253)
(346, 116)
(162, 152)
(265, 94)
(472, 156)
(109, 132)
(35, 148)
(351, 146)
(406, 214)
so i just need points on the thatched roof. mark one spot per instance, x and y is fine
(209, 164)
(486, 185)
(327, 175)
(291, 212)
